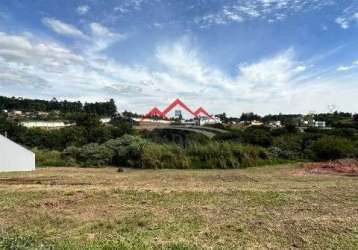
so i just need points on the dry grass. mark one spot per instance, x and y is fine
(279, 207)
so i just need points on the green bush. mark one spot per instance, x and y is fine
(212, 155)
(95, 155)
(227, 155)
(289, 147)
(155, 155)
(331, 148)
(234, 135)
(136, 152)
(176, 136)
(250, 155)
(258, 136)
(52, 158)
(127, 150)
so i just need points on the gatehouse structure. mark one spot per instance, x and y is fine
(199, 114)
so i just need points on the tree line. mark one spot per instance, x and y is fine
(30, 105)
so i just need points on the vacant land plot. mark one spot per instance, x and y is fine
(280, 207)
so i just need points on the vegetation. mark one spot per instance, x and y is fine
(276, 207)
(89, 143)
(88, 129)
(332, 147)
(99, 108)
(136, 152)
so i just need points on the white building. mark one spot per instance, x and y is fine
(149, 120)
(45, 124)
(320, 124)
(203, 120)
(256, 123)
(105, 120)
(275, 124)
(14, 157)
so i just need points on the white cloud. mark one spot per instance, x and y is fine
(99, 30)
(353, 65)
(344, 68)
(129, 6)
(300, 68)
(102, 37)
(180, 60)
(343, 22)
(269, 85)
(83, 9)
(98, 39)
(270, 10)
(277, 70)
(62, 28)
(348, 16)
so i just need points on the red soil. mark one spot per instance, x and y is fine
(344, 166)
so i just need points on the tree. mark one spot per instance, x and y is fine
(258, 136)
(332, 148)
(223, 118)
(249, 117)
(355, 117)
(101, 108)
(85, 120)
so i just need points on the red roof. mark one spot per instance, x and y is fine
(156, 112)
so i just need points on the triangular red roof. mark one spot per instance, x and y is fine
(177, 102)
(153, 112)
(201, 110)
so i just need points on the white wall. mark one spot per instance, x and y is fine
(14, 157)
(44, 124)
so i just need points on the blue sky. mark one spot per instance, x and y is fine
(265, 56)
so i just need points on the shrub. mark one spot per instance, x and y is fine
(163, 156)
(52, 158)
(213, 155)
(182, 138)
(257, 136)
(134, 151)
(233, 135)
(95, 155)
(227, 155)
(288, 147)
(331, 148)
(126, 150)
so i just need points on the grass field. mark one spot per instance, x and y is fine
(280, 207)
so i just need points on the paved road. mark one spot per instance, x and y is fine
(205, 133)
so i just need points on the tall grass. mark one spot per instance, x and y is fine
(136, 152)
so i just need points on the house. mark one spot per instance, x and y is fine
(208, 120)
(275, 124)
(256, 123)
(319, 124)
(14, 157)
(15, 113)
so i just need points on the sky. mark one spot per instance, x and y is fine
(232, 56)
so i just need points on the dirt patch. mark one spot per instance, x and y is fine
(343, 166)
(228, 178)
(39, 181)
(62, 202)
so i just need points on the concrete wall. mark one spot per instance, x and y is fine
(14, 157)
(44, 124)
